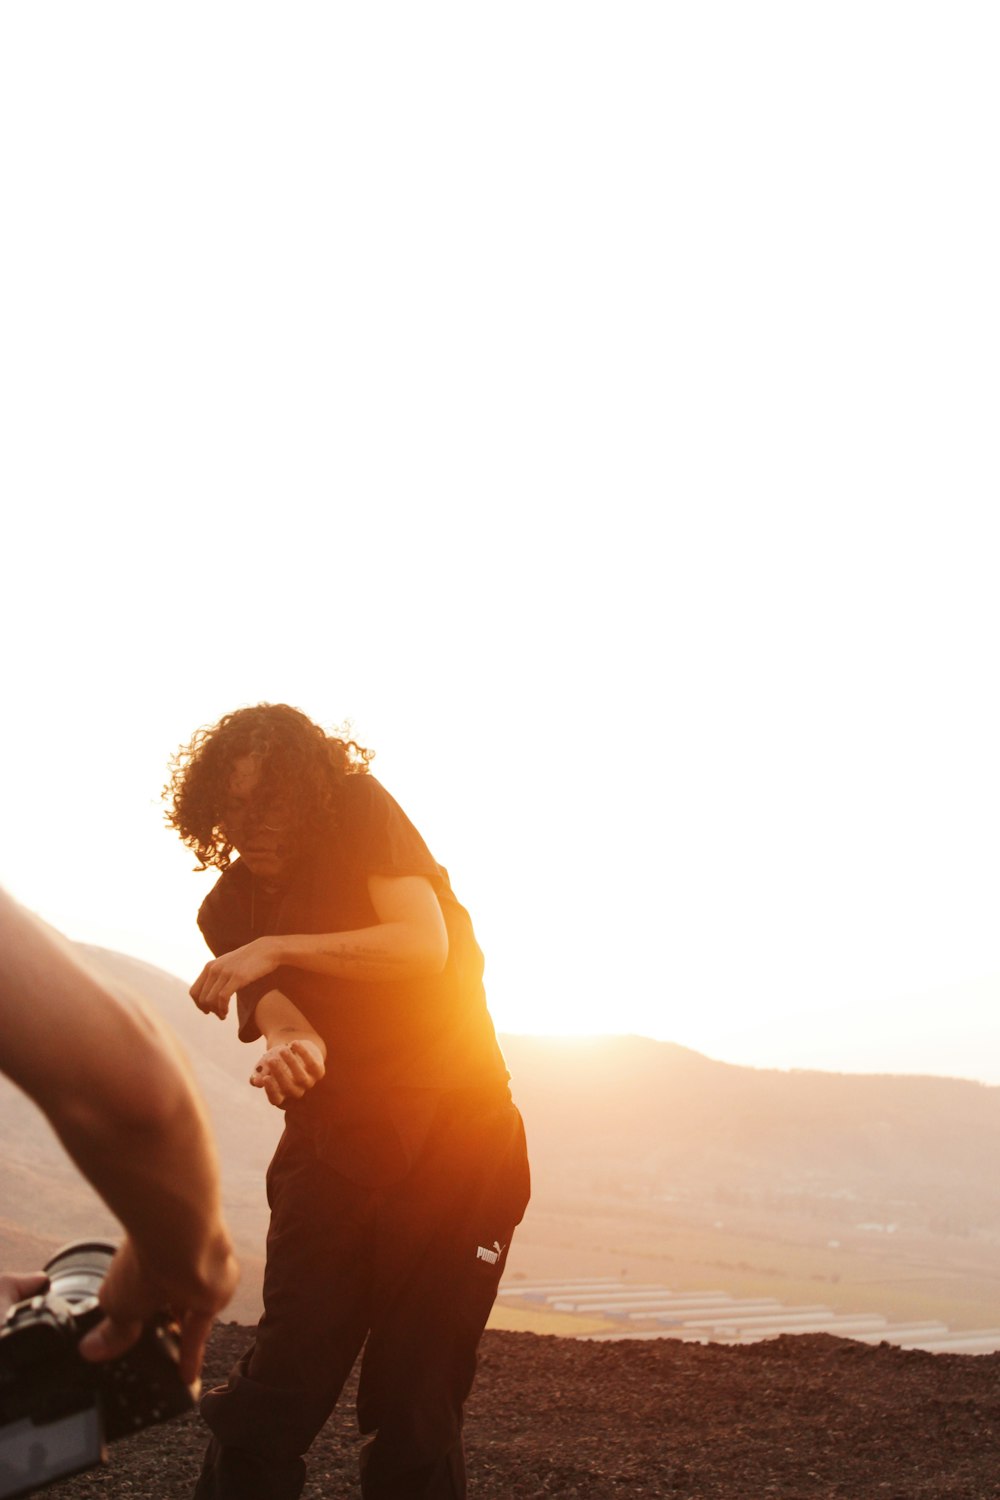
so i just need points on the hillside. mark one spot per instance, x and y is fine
(649, 1161)
(645, 1118)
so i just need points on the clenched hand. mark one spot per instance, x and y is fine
(289, 1070)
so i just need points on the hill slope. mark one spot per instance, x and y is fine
(658, 1118)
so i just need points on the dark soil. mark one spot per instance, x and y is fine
(799, 1417)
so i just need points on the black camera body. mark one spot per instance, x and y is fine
(57, 1410)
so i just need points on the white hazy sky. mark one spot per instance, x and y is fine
(594, 403)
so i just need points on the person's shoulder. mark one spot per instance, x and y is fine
(360, 784)
(370, 819)
(363, 794)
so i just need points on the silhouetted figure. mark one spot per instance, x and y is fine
(401, 1172)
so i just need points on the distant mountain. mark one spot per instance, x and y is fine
(611, 1123)
(954, 1025)
(657, 1118)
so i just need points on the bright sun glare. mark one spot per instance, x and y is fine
(595, 405)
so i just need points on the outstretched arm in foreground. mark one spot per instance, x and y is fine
(113, 1083)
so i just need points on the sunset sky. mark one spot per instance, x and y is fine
(594, 404)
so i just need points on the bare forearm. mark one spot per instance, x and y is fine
(392, 950)
(119, 1096)
(282, 1022)
(160, 1178)
(408, 940)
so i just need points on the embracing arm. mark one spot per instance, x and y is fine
(409, 941)
(116, 1090)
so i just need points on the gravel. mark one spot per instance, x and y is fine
(798, 1417)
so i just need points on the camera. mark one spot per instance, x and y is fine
(57, 1411)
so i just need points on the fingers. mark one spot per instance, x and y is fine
(199, 989)
(212, 990)
(109, 1339)
(195, 1328)
(16, 1287)
(129, 1298)
(281, 1075)
(273, 1089)
(311, 1057)
(277, 1093)
(288, 1071)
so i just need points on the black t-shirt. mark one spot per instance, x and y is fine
(382, 1036)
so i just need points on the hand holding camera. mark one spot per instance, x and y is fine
(129, 1298)
(14, 1288)
(58, 1407)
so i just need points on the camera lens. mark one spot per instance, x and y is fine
(76, 1271)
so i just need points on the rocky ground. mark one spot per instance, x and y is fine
(798, 1417)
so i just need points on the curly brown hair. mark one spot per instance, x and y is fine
(299, 762)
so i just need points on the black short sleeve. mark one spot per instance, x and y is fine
(380, 836)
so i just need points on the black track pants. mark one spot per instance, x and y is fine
(410, 1271)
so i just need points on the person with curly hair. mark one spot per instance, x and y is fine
(402, 1171)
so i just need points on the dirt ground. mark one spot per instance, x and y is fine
(798, 1417)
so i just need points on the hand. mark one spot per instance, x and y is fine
(130, 1298)
(289, 1070)
(15, 1288)
(220, 979)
